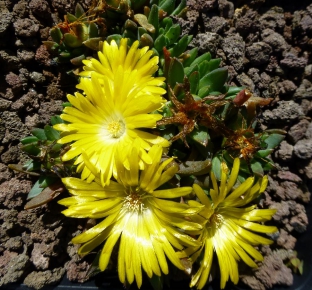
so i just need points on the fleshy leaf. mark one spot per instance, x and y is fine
(274, 140)
(216, 167)
(51, 133)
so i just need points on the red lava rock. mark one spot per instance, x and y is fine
(37, 280)
(286, 240)
(282, 210)
(288, 190)
(77, 271)
(13, 193)
(5, 258)
(273, 271)
(285, 151)
(43, 56)
(297, 131)
(289, 176)
(38, 258)
(26, 27)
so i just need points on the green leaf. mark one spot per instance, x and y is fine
(160, 43)
(213, 64)
(203, 68)
(233, 91)
(71, 18)
(29, 139)
(166, 23)
(42, 182)
(79, 11)
(263, 153)
(180, 7)
(56, 34)
(215, 79)
(189, 70)
(173, 33)
(191, 57)
(274, 140)
(180, 47)
(153, 19)
(216, 167)
(36, 189)
(200, 135)
(256, 167)
(32, 165)
(175, 72)
(116, 37)
(39, 133)
(194, 82)
(51, 133)
(167, 5)
(203, 92)
(200, 59)
(93, 30)
(72, 40)
(31, 149)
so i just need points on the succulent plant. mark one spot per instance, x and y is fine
(218, 120)
(76, 36)
(79, 36)
(45, 163)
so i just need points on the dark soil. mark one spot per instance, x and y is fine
(266, 45)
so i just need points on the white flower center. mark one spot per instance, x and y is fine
(116, 128)
(134, 201)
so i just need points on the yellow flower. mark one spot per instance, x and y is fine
(230, 227)
(103, 124)
(149, 227)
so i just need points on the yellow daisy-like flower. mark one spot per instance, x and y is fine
(103, 124)
(230, 227)
(149, 227)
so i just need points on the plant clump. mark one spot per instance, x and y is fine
(149, 121)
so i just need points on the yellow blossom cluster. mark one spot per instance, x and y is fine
(124, 179)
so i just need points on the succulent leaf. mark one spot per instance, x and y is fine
(153, 19)
(56, 34)
(79, 11)
(72, 40)
(71, 18)
(143, 21)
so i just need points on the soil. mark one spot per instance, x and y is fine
(266, 44)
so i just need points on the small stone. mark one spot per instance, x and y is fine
(286, 87)
(38, 258)
(303, 149)
(26, 27)
(291, 61)
(297, 131)
(286, 240)
(208, 41)
(37, 77)
(274, 39)
(14, 244)
(234, 49)
(285, 113)
(259, 53)
(289, 176)
(304, 90)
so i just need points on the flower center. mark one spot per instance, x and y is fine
(134, 201)
(216, 220)
(116, 128)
